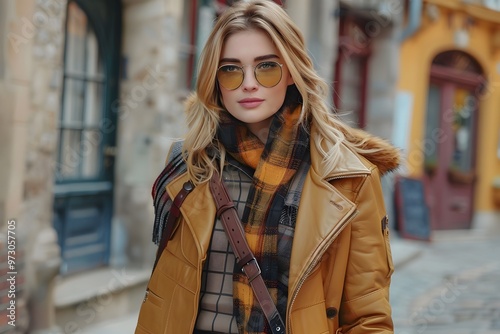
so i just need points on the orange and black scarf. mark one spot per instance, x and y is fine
(275, 164)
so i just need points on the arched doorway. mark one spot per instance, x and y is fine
(453, 99)
(83, 190)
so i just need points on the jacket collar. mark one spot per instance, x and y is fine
(349, 164)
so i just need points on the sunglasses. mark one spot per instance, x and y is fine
(268, 74)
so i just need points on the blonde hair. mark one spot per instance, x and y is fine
(203, 106)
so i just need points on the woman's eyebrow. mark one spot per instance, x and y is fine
(259, 58)
(229, 60)
(266, 57)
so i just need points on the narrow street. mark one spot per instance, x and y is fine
(453, 286)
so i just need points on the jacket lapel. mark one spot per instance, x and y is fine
(323, 214)
(321, 217)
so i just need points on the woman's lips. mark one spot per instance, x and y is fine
(250, 103)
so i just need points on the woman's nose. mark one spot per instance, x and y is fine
(249, 81)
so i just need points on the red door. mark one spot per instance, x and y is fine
(449, 148)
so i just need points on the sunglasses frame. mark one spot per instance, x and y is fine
(254, 73)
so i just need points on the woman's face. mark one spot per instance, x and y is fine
(251, 102)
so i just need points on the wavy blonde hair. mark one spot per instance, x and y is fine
(203, 106)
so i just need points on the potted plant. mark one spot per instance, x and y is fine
(457, 175)
(496, 190)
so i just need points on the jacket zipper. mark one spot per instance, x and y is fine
(315, 262)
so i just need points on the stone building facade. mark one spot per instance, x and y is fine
(30, 85)
(82, 207)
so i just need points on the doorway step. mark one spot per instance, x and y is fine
(99, 297)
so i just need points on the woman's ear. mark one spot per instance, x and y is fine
(289, 80)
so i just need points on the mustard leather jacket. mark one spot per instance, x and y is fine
(341, 262)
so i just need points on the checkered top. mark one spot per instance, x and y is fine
(215, 312)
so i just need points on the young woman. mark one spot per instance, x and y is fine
(306, 186)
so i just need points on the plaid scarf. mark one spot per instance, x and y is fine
(275, 165)
(161, 201)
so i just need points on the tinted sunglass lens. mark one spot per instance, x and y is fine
(268, 74)
(230, 77)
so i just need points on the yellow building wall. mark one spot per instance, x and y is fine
(417, 52)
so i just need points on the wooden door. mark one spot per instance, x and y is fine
(450, 146)
(450, 174)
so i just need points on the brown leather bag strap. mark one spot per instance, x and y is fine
(175, 212)
(244, 256)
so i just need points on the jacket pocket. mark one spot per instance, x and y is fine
(387, 240)
(309, 314)
(151, 314)
(311, 319)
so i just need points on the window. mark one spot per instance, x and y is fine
(432, 128)
(82, 105)
(464, 108)
(351, 71)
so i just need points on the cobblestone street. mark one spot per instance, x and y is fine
(452, 287)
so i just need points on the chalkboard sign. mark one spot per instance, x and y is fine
(412, 212)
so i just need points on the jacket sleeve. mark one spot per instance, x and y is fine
(365, 302)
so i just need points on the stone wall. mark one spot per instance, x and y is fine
(383, 31)
(151, 117)
(30, 91)
(317, 22)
